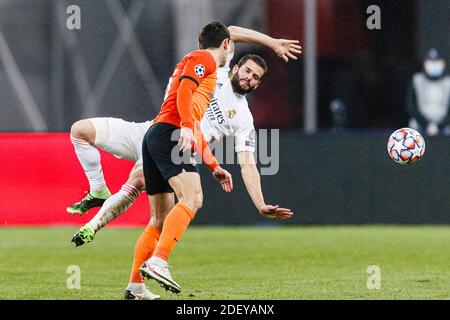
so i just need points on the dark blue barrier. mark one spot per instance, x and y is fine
(341, 179)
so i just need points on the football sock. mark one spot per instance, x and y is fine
(114, 206)
(143, 250)
(174, 226)
(136, 287)
(89, 157)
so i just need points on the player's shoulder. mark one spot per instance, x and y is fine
(203, 61)
(200, 54)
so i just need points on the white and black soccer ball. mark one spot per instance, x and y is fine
(199, 70)
(406, 146)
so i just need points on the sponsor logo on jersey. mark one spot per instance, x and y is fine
(214, 113)
(219, 85)
(199, 70)
(231, 113)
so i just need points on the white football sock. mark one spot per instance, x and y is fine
(89, 157)
(114, 206)
(136, 287)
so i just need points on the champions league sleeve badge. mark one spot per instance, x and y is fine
(199, 70)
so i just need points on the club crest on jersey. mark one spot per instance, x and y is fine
(231, 113)
(200, 70)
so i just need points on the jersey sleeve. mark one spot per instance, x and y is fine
(245, 137)
(205, 152)
(198, 67)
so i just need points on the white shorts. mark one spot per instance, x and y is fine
(121, 138)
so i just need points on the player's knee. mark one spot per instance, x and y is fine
(140, 184)
(196, 202)
(83, 130)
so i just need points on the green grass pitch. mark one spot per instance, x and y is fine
(327, 262)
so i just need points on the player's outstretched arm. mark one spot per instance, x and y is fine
(285, 49)
(252, 181)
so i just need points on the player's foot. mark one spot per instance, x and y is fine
(159, 271)
(85, 235)
(91, 200)
(137, 295)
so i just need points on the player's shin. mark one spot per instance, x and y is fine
(175, 224)
(143, 250)
(114, 206)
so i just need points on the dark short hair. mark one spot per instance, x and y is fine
(212, 35)
(255, 58)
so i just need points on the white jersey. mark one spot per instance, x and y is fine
(228, 114)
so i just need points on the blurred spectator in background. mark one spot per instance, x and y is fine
(428, 98)
(339, 111)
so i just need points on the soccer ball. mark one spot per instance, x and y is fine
(406, 146)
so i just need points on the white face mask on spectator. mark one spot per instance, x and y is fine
(434, 69)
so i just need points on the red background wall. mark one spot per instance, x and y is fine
(40, 176)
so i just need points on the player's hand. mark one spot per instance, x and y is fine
(275, 212)
(187, 139)
(224, 178)
(432, 129)
(286, 49)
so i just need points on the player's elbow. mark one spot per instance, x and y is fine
(247, 170)
(247, 161)
(234, 30)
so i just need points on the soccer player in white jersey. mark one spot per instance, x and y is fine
(227, 115)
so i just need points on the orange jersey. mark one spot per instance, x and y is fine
(199, 68)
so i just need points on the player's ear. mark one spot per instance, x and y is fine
(235, 69)
(226, 44)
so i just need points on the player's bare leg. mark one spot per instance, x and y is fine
(114, 206)
(82, 135)
(187, 187)
(160, 206)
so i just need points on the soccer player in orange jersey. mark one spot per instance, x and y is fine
(196, 72)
